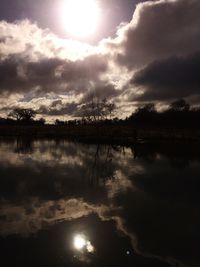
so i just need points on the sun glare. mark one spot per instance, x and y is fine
(80, 17)
(81, 243)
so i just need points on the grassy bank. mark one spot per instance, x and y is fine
(98, 133)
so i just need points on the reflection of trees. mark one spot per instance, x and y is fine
(24, 146)
(103, 168)
(145, 152)
(178, 155)
(178, 163)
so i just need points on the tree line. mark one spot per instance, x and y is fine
(22, 116)
(178, 114)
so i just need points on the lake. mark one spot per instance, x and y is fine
(70, 204)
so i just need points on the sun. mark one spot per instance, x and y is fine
(81, 17)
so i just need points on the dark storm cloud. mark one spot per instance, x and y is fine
(102, 91)
(89, 68)
(158, 30)
(19, 75)
(175, 77)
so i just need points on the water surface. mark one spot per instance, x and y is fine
(70, 204)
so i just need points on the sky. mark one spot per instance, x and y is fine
(138, 52)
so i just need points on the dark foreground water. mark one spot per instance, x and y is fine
(67, 204)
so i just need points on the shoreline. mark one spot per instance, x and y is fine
(114, 134)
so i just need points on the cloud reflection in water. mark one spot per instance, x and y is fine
(56, 182)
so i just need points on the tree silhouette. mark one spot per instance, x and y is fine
(147, 108)
(21, 114)
(180, 105)
(97, 110)
(144, 114)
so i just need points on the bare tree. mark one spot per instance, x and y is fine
(21, 114)
(111, 107)
(180, 105)
(95, 111)
(147, 108)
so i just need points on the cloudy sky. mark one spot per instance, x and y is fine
(56, 55)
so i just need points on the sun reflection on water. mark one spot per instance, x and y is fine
(81, 243)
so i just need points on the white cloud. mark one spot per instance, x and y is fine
(27, 39)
